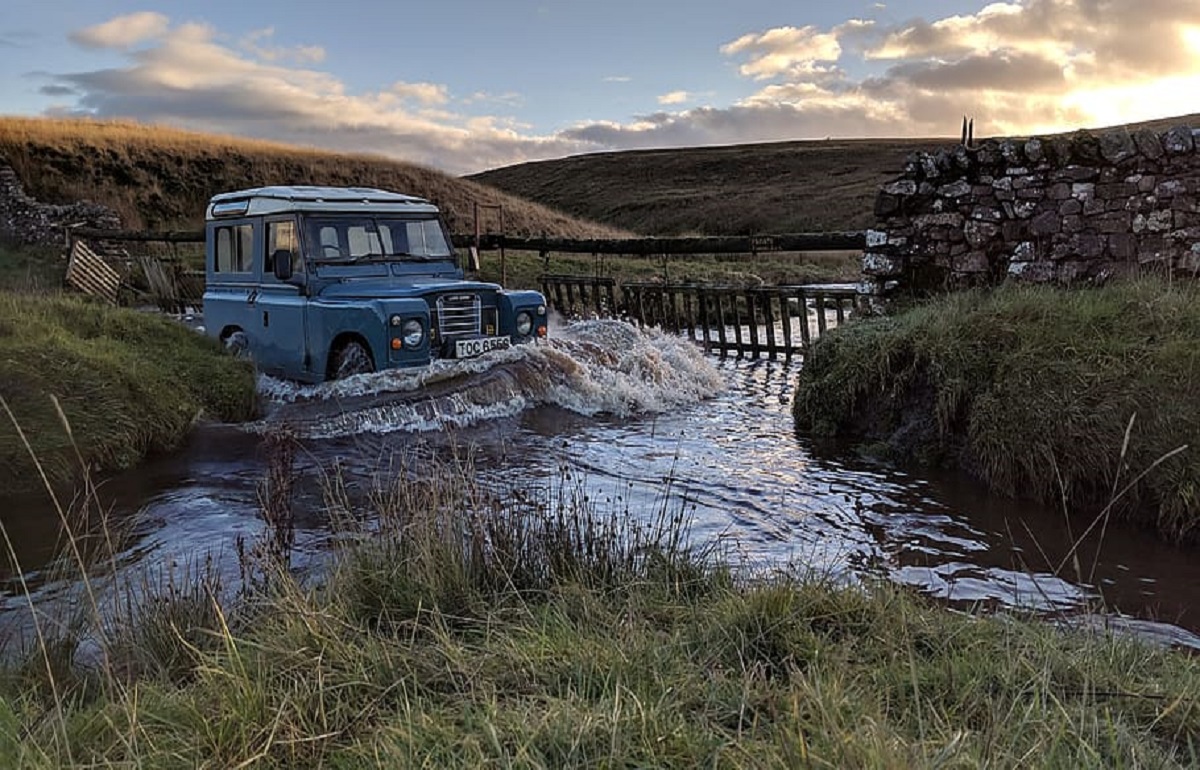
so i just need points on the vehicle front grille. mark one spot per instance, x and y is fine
(458, 314)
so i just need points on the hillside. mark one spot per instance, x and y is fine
(161, 178)
(779, 187)
(734, 190)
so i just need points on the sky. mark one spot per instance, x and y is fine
(466, 85)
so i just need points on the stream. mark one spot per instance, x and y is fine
(641, 419)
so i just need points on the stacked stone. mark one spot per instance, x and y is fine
(1071, 209)
(25, 221)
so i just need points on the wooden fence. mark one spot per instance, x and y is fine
(775, 321)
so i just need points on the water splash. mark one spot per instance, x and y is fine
(590, 368)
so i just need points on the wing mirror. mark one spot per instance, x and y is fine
(282, 260)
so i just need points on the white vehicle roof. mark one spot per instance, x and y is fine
(285, 199)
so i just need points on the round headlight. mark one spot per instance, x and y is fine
(541, 310)
(395, 320)
(524, 323)
(412, 332)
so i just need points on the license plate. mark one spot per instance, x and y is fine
(477, 347)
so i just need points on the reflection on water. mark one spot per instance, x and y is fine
(633, 415)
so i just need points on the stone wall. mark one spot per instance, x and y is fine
(1071, 209)
(25, 221)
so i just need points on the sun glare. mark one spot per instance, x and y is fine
(1191, 38)
(1135, 102)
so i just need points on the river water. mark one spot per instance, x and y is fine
(640, 419)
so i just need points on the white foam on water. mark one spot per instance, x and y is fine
(589, 367)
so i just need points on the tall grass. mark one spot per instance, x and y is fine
(461, 625)
(130, 384)
(1033, 389)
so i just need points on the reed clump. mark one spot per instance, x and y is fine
(460, 625)
(1083, 398)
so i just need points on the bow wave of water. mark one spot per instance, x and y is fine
(588, 368)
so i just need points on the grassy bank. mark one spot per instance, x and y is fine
(525, 268)
(1080, 398)
(129, 384)
(530, 629)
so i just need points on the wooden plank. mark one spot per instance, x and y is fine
(737, 324)
(769, 320)
(143, 236)
(721, 322)
(830, 241)
(820, 303)
(753, 319)
(596, 298)
(785, 312)
(805, 335)
(705, 329)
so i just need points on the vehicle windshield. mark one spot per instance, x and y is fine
(354, 238)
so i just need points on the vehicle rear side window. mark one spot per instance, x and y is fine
(281, 236)
(234, 249)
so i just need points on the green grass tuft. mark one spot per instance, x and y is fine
(1033, 389)
(129, 384)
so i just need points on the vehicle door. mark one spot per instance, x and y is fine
(282, 306)
(233, 279)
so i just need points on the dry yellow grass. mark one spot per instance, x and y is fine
(157, 177)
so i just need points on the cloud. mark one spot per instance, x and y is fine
(1019, 67)
(784, 49)
(187, 75)
(57, 91)
(421, 93)
(123, 31)
(18, 38)
(259, 41)
(508, 98)
(674, 97)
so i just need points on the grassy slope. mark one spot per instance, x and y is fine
(531, 633)
(1032, 389)
(741, 189)
(775, 187)
(161, 178)
(129, 383)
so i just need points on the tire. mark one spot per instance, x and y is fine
(236, 344)
(350, 359)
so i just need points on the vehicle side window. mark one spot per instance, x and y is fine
(235, 249)
(281, 236)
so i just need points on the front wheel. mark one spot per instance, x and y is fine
(237, 344)
(351, 359)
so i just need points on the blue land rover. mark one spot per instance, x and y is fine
(319, 283)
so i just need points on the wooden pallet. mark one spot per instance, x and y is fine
(88, 272)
